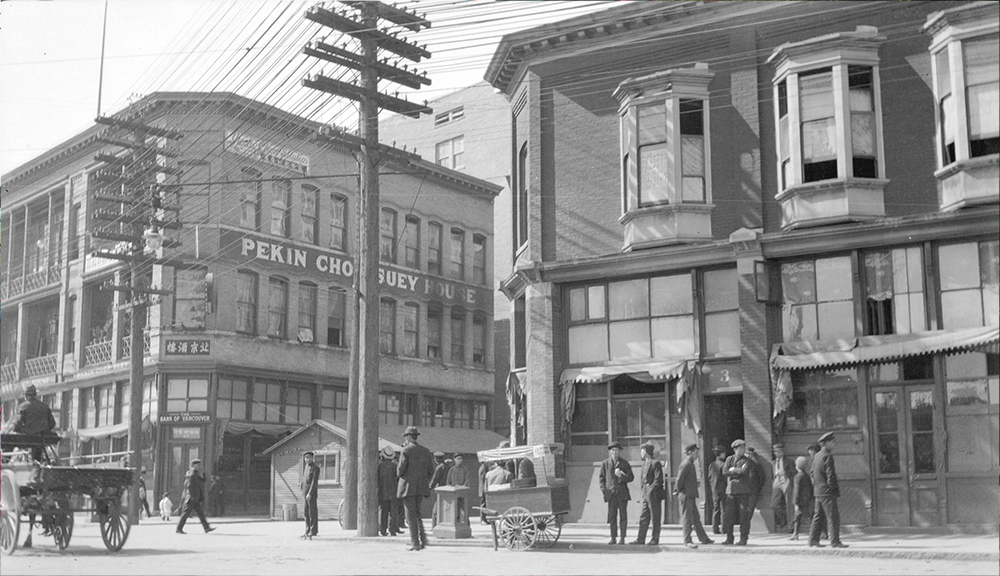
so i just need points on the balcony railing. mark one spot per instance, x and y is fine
(40, 366)
(127, 345)
(97, 353)
(8, 373)
(13, 287)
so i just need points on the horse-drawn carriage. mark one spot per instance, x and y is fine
(526, 513)
(33, 485)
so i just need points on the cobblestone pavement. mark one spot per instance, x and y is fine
(262, 547)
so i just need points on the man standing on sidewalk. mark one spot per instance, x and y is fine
(687, 496)
(194, 497)
(616, 473)
(717, 484)
(388, 504)
(416, 466)
(651, 483)
(826, 490)
(741, 490)
(310, 494)
(781, 489)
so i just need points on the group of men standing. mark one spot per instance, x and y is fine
(804, 489)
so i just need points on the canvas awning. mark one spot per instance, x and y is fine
(655, 371)
(788, 356)
(112, 431)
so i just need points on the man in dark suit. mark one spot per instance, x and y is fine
(826, 490)
(34, 417)
(439, 478)
(310, 494)
(416, 466)
(616, 473)
(782, 503)
(194, 497)
(687, 496)
(741, 491)
(813, 450)
(651, 482)
(717, 484)
(388, 483)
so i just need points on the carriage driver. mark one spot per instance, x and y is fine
(34, 416)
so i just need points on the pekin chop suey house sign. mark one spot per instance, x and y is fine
(246, 247)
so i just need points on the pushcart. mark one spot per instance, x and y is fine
(33, 485)
(527, 512)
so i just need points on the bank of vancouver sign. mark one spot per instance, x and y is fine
(249, 247)
(261, 151)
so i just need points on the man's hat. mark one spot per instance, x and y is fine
(31, 391)
(778, 446)
(690, 448)
(814, 447)
(195, 461)
(388, 453)
(439, 454)
(826, 437)
(308, 453)
(459, 455)
(411, 431)
(649, 446)
(617, 445)
(504, 444)
(719, 447)
(738, 442)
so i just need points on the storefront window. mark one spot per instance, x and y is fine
(823, 400)
(970, 284)
(231, 401)
(818, 299)
(266, 401)
(722, 316)
(187, 394)
(894, 292)
(333, 404)
(298, 404)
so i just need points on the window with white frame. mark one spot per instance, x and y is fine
(449, 116)
(478, 339)
(246, 302)
(818, 299)
(308, 296)
(436, 232)
(387, 236)
(251, 192)
(458, 335)
(411, 329)
(338, 222)
(281, 207)
(434, 324)
(277, 309)
(970, 287)
(457, 250)
(479, 259)
(187, 394)
(329, 466)
(411, 242)
(335, 314)
(308, 221)
(894, 291)
(387, 326)
(828, 109)
(449, 153)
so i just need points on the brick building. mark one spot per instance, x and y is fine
(763, 220)
(469, 132)
(254, 342)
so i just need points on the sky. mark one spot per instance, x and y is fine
(50, 56)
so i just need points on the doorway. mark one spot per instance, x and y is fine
(906, 456)
(180, 456)
(723, 424)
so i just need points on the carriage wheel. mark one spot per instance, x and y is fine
(10, 512)
(114, 523)
(547, 530)
(340, 513)
(517, 528)
(62, 525)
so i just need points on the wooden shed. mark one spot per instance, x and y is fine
(328, 442)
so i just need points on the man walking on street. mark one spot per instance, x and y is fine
(194, 497)
(741, 474)
(826, 490)
(310, 494)
(781, 489)
(616, 473)
(813, 450)
(687, 496)
(388, 483)
(651, 483)
(717, 484)
(416, 466)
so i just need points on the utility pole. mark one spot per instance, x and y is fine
(131, 193)
(361, 20)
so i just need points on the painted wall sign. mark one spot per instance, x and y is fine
(189, 347)
(247, 247)
(184, 417)
(266, 152)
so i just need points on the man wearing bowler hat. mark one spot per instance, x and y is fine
(826, 490)
(616, 473)
(416, 466)
(717, 485)
(651, 483)
(687, 496)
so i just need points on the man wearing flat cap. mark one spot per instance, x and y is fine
(439, 478)
(686, 490)
(781, 488)
(717, 485)
(651, 483)
(310, 493)
(826, 490)
(616, 473)
(742, 477)
(416, 466)
(194, 497)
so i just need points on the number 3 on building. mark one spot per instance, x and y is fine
(724, 375)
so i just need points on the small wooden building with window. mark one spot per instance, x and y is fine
(328, 442)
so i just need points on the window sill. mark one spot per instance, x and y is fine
(969, 183)
(832, 202)
(667, 224)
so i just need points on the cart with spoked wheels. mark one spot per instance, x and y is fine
(33, 485)
(526, 513)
